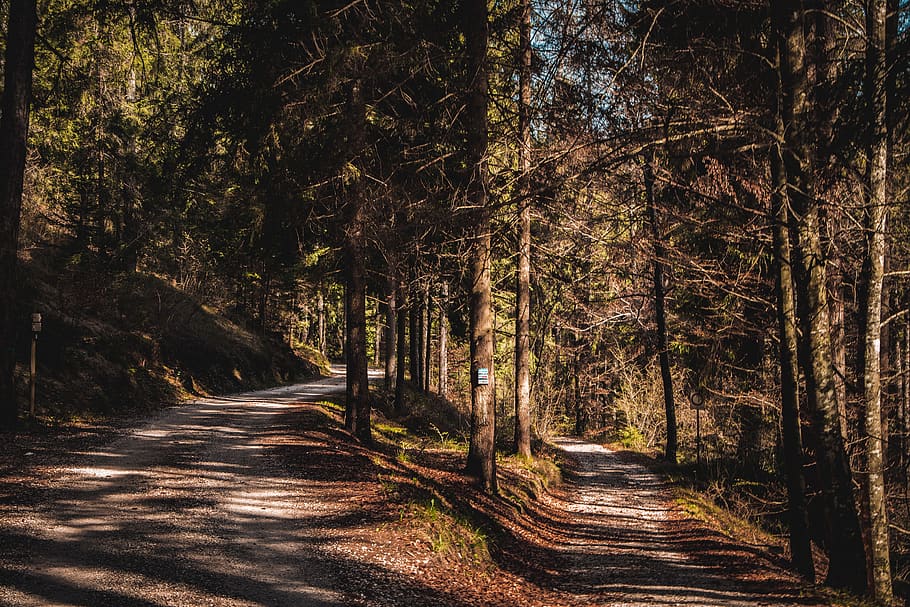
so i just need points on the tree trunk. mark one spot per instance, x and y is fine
(845, 549)
(391, 323)
(579, 405)
(320, 322)
(414, 338)
(420, 310)
(443, 343)
(875, 219)
(899, 444)
(839, 351)
(482, 449)
(523, 287)
(14, 115)
(427, 338)
(378, 330)
(663, 343)
(800, 540)
(357, 419)
(401, 356)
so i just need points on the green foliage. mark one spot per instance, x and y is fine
(631, 438)
(447, 532)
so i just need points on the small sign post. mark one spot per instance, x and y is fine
(33, 375)
(483, 376)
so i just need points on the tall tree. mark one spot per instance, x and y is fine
(875, 220)
(443, 353)
(482, 449)
(800, 539)
(391, 325)
(358, 411)
(845, 549)
(426, 337)
(17, 94)
(523, 278)
(401, 334)
(663, 343)
(788, 349)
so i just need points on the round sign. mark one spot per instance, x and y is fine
(696, 399)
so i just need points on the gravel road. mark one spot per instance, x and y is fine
(630, 546)
(188, 510)
(246, 501)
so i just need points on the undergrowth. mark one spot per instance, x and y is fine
(447, 531)
(451, 522)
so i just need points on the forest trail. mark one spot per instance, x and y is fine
(226, 502)
(629, 545)
(189, 510)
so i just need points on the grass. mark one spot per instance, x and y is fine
(447, 532)
(701, 507)
(726, 508)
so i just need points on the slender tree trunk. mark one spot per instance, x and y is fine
(523, 287)
(443, 342)
(427, 337)
(414, 338)
(378, 327)
(876, 218)
(482, 449)
(357, 419)
(839, 351)
(579, 406)
(401, 357)
(391, 323)
(14, 115)
(800, 540)
(846, 551)
(320, 321)
(904, 416)
(420, 310)
(663, 343)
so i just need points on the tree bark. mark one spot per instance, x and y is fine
(391, 323)
(846, 551)
(378, 327)
(800, 539)
(839, 350)
(427, 337)
(320, 321)
(663, 343)
(523, 283)
(904, 402)
(875, 219)
(357, 418)
(482, 449)
(401, 356)
(14, 116)
(443, 342)
(414, 337)
(421, 311)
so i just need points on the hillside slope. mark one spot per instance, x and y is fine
(114, 344)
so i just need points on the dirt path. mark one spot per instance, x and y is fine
(259, 500)
(188, 510)
(628, 544)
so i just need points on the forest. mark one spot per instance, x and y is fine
(676, 224)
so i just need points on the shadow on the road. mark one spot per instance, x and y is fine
(617, 559)
(204, 503)
(199, 508)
